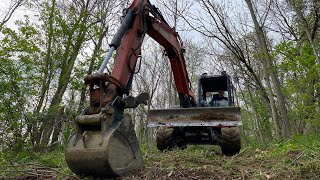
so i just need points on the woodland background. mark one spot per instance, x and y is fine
(270, 47)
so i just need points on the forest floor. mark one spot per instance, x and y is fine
(298, 158)
(205, 162)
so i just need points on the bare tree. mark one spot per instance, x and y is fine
(218, 25)
(173, 9)
(14, 5)
(150, 73)
(310, 28)
(269, 68)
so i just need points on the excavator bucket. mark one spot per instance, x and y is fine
(105, 145)
(199, 116)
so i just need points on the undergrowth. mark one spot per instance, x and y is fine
(29, 163)
(297, 158)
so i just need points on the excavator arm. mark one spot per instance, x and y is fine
(170, 40)
(148, 20)
(143, 18)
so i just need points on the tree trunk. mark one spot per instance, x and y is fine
(268, 100)
(310, 32)
(258, 124)
(244, 137)
(57, 126)
(298, 10)
(64, 78)
(35, 134)
(90, 69)
(47, 60)
(267, 62)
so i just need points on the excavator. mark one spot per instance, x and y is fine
(105, 145)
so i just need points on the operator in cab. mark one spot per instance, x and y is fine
(219, 96)
(218, 99)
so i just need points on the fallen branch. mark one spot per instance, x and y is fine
(241, 152)
(296, 158)
(36, 170)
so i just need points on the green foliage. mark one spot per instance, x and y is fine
(301, 74)
(308, 144)
(19, 55)
(44, 55)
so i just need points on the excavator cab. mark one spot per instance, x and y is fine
(215, 91)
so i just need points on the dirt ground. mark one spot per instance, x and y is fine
(206, 164)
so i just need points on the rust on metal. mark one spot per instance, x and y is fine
(204, 116)
(210, 116)
(96, 78)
